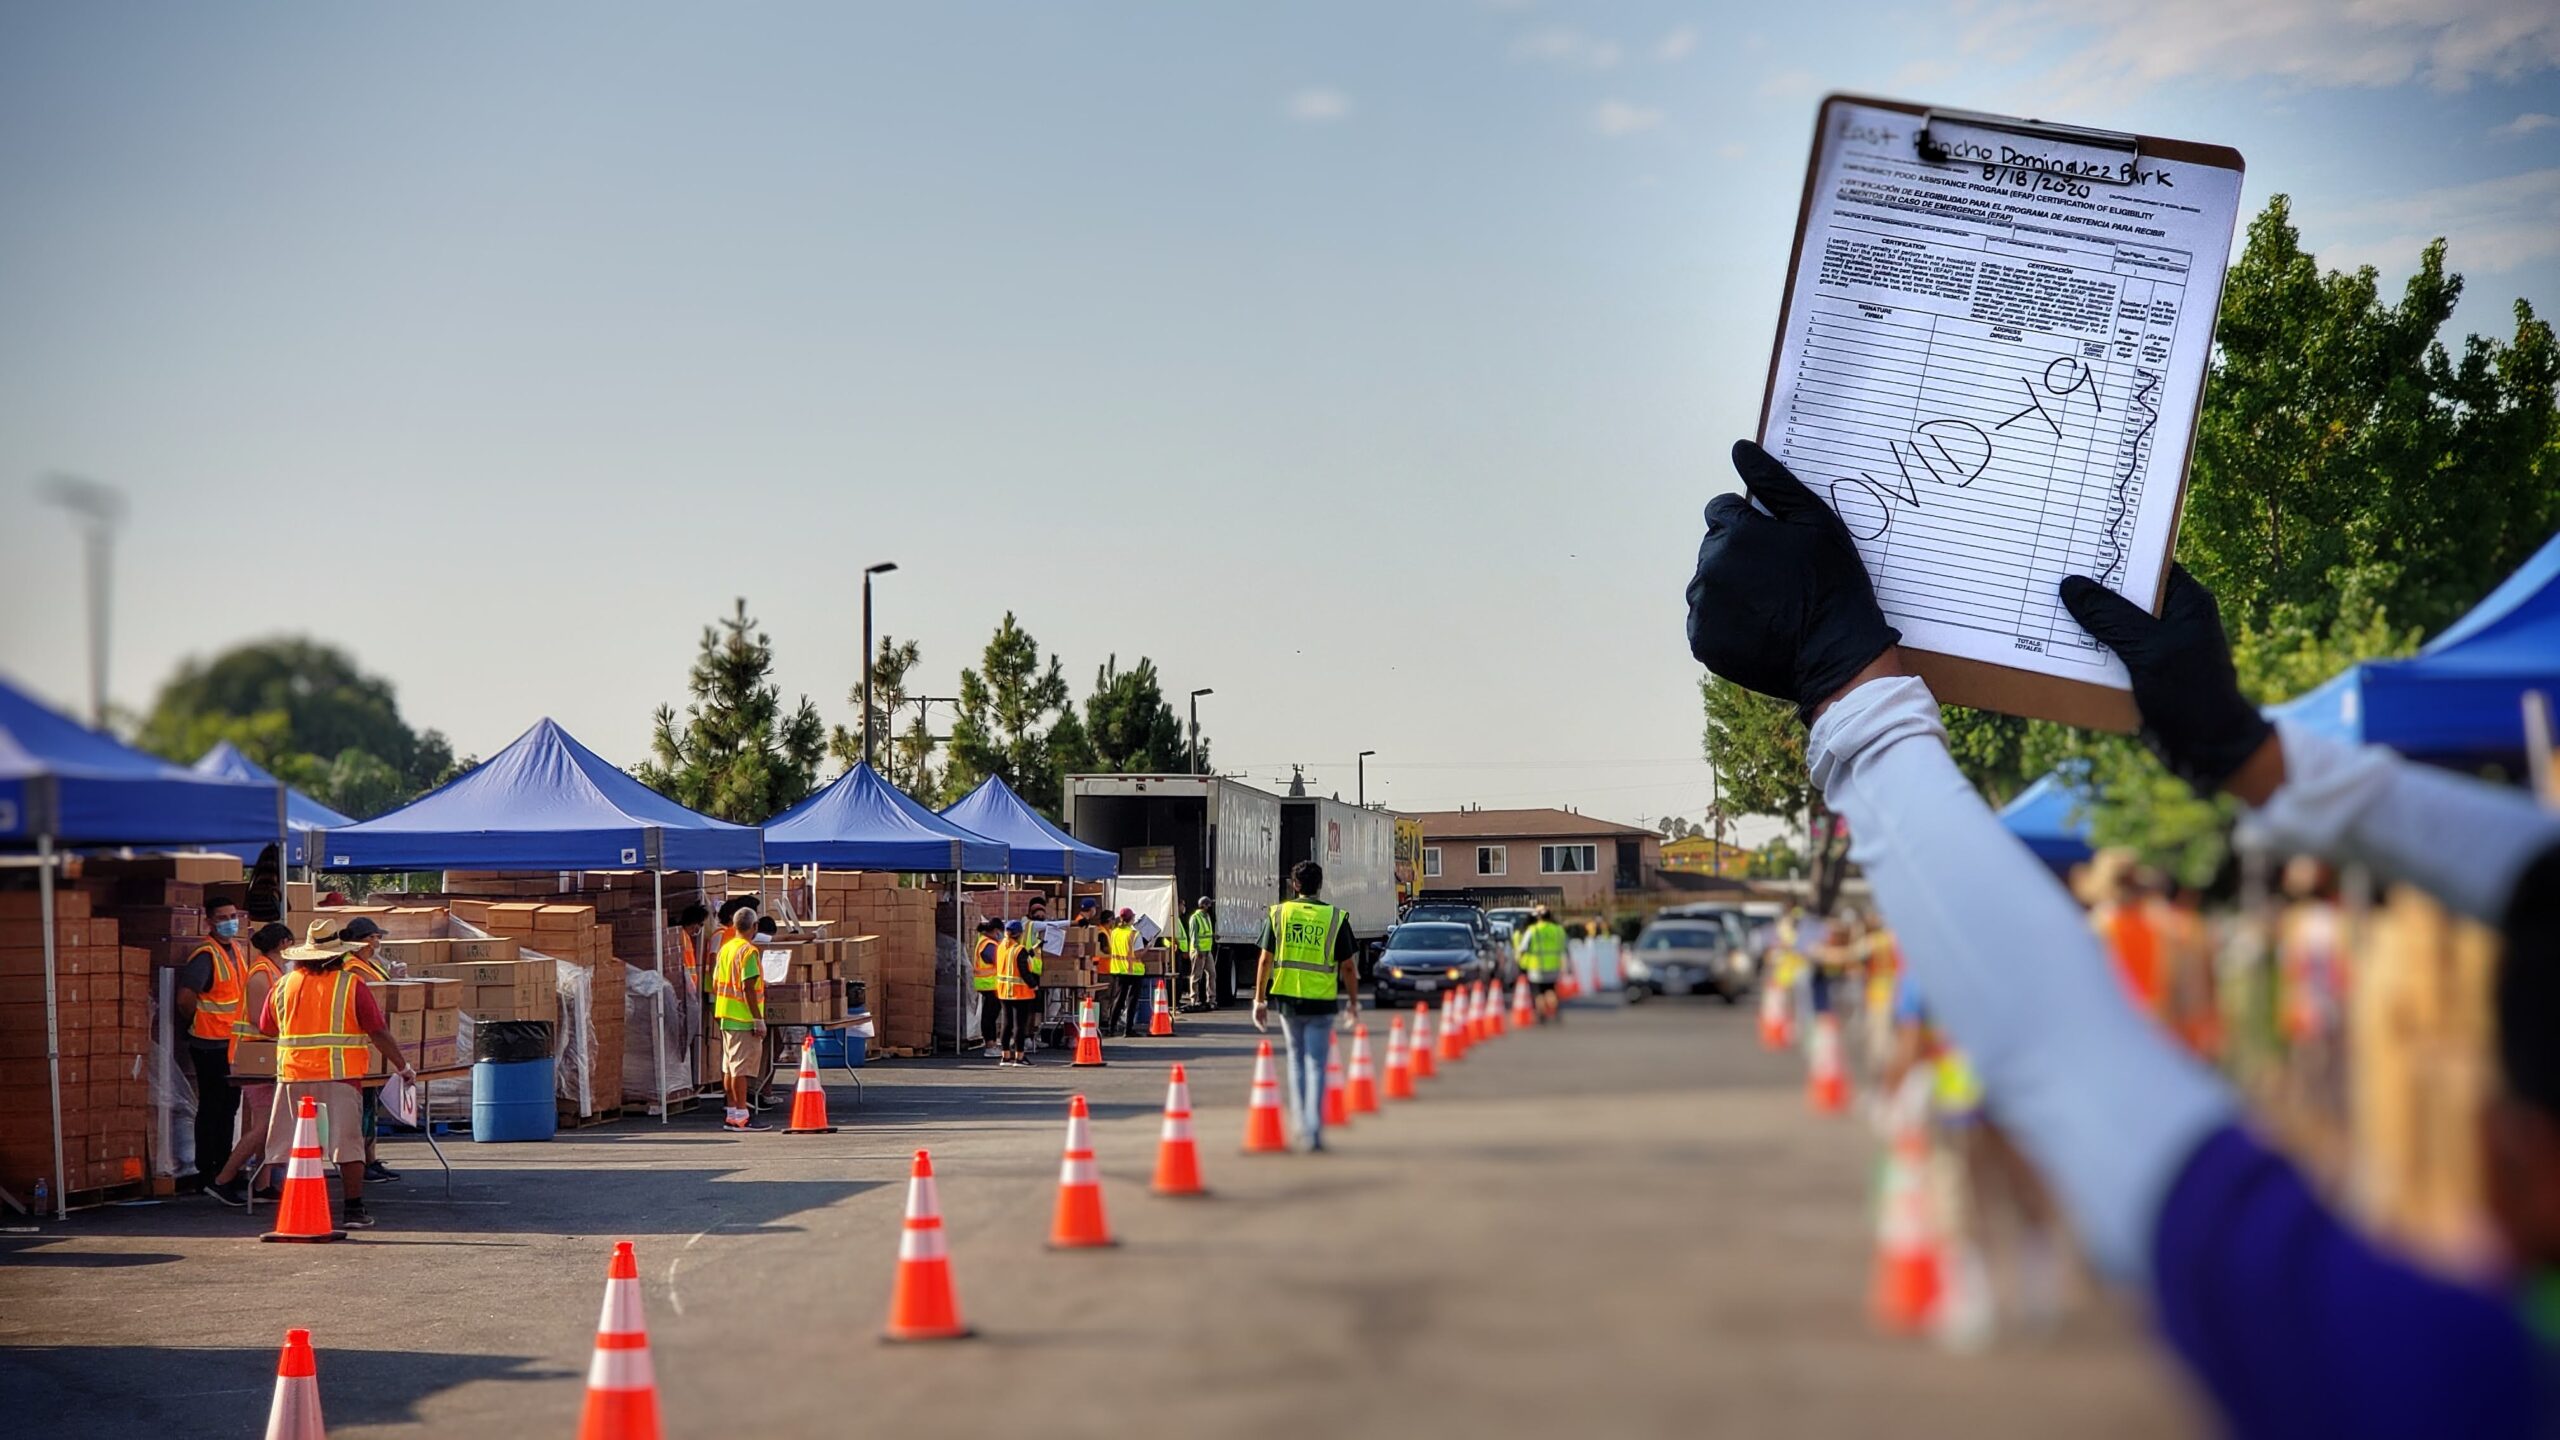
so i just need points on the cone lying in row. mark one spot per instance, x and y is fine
(1088, 1035)
(1263, 1132)
(1570, 987)
(1909, 1284)
(622, 1384)
(1360, 1091)
(1177, 1153)
(1827, 1082)
(809, 1101)
(1160, 1022)
(302, 1216)
(1337, 1105)
(1399, 1066)
(1775, 1033)
(1453, 1027)
(1490, 1007)
(922, 1305)
(295, 1412)
(1418, 1043)
(1524, 1011)
(1079, 1224)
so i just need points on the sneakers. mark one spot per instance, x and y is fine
(356, 1218)
(750, 1123)
(377, 1173)
(233, 1192)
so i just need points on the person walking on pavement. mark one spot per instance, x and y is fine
(322, 1017)
(1120, 1009)
(211, 986)
(1542, 944)
(2292, 1320)
(737, 1006)
(982, 978)
(1017, 999)
(1309, 966)
(265, 969)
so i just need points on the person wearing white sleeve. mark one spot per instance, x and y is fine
(2295, 1324)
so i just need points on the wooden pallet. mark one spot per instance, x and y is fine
(676, 1105)
(571, 1120)
(110, 1194)
(895, 1052)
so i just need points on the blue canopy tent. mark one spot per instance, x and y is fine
(62, 783)
(2461, 697)
(2041, 815)
(547, 802)
(302, 814)
(1039, 848)
(863, 822)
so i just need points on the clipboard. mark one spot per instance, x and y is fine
(2097, 158)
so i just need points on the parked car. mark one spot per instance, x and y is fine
(1684, 956)
(1736, 921)
(1424, 959)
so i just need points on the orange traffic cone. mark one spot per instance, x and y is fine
(1909, 1284)
(1491, 998)
(1399, 1066)
(1570, 986)
(1088, 1035)
(1453, 1026)
(809, 1102)
(1773, 1017)
(622, 1386)
(1160, 1021)
(1178, 1154)
(295, 1415)
(1079, 1224)
(1337, 1104)
(921, 1304)
(1362, 1091)
(1418, 1043)
(1523, 1013)
(1827, 1084)
(1263, 1132)
(302, 1215)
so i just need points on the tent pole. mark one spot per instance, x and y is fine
(52, 1027)
(960, 974)
(658, 1025)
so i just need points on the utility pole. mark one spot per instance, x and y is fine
(924, 747)
(98, 509)
(883, 568)
(1195, 727)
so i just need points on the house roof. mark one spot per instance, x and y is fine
(1516, 824)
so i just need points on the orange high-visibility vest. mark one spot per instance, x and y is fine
(364, 969)
(245, 1025)
(218, 1005)
(982, 965)
(1009, 982)
(316, 1034)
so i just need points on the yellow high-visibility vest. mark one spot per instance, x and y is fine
(1306, 932)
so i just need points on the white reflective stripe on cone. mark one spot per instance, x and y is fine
(621, 1314)
(923, 1242)
(923, 1203)
(295, 1413)
(1178, 1127)
(1079, 1170)
(622, 1370)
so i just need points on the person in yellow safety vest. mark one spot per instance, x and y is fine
(324, 1017)
(1309, 966)
(1017, 965)
(209, 995)
(1542, 944)
(1120, 1007)
(1199, 931)
(255, 1100)
(737, 1007)
(982, 978)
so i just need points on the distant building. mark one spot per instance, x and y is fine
(1702, 856)
(1570, 858)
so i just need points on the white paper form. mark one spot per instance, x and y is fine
(1991, 373)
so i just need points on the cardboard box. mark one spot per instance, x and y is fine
(25, 905)
(401, 996)
(438, 1024)
(437, 1053)
(513, 919)
(408, 1026)
(564, 917)
(464, 952)
(441, 992)
(254, 1057)
(416, 954)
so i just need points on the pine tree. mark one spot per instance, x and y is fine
(1129, 725)
(1015, 721)
(737, 757)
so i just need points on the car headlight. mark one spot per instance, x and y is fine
(1453, 973)
(1638, 970)
(1392, 972)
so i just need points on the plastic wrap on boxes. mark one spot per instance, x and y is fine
(173, 1086)
(659, 1022)
(575, 1077)
(955, 1004)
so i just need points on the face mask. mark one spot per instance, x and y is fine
(227, 929)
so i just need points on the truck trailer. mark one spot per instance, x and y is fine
(1224, 837)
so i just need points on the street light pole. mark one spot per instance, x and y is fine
(1363, 764)
(1195, 727)
(98, 508)
(883, 568)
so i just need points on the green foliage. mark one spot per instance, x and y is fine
(1757, 750)
(738, 756)
(1777, 860)
(903, 735)
(1129, 726)
(1014, 721)
(1679, 827)
(304, 711)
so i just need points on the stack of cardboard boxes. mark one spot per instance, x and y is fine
(897, 971)
(814, 970)
(591, 1036)
(1078, 966)
(102, 994)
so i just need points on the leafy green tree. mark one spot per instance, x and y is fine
(1777, 860)
(738, 756)
(306, 712)
(1128, 724)
(1014, 720)
(904, 732)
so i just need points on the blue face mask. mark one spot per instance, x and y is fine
(227, 929)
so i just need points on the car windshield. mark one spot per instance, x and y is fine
(1431, 937)
(1681, 937)
(1449, 914)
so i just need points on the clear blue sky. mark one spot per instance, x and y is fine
(504, 344)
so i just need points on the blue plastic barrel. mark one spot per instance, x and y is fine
(512, 1100)
(842, 1048)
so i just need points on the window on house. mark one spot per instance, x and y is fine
(1568, 859)
(1493, 860)
(1430, 862)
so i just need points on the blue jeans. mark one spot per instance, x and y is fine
(1308, 1043)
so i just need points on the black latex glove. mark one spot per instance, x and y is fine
(1781, 603)
(2193, 714)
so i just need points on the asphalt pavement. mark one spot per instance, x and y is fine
(1627, 1225)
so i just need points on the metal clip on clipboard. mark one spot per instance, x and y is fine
(2107, 157)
